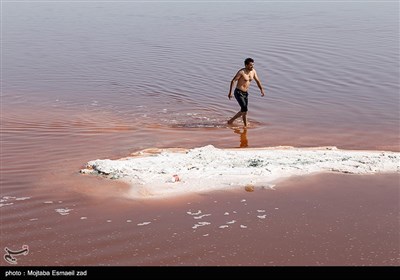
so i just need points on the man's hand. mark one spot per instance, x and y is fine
(230, 95)
(262, 93)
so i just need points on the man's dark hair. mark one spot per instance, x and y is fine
(248, 60)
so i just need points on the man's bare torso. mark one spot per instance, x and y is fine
(245, 78)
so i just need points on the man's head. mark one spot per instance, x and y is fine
(249, 63)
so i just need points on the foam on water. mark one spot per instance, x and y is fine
(208, 168)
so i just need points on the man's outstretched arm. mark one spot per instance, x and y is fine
(259, 84)
(234, 80)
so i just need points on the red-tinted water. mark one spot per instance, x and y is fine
(83, 81)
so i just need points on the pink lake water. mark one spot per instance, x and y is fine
(89, 80)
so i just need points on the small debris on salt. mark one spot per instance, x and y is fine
(175, 178)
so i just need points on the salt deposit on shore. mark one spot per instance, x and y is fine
(170, 172)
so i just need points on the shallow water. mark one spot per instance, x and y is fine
(82, 81)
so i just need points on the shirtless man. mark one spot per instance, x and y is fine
(243, 78)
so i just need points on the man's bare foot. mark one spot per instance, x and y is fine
(230, 122)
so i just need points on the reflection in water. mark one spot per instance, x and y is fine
(243, 137)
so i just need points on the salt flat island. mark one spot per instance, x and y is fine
(156, 173)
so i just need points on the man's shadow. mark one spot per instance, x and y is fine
(243, 136)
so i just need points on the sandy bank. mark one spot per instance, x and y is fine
(151, 172)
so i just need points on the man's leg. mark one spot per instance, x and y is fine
(246, 103)
(235, 117)
(244, 116)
